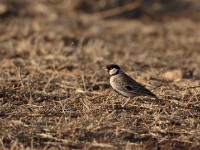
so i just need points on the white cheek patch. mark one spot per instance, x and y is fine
(113, 71)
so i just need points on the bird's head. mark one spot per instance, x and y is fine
(113, 69)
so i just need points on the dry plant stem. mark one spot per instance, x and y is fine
(126, 102)
(111, 12)
(50, 79)
(20, 77)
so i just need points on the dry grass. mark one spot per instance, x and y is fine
(53, 94)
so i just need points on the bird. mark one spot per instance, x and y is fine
(124, 84)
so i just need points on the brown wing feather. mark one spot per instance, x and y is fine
(128, 84)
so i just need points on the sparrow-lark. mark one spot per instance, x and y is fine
(124, 84)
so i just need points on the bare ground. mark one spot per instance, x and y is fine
(53, 94)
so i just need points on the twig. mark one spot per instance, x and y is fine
(50, 79)
(20, 77)
(112, 12)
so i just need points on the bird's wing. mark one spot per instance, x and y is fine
(134, 87)
(138, 89)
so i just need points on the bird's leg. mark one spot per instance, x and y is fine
(126, 102)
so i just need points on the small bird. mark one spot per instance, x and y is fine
(124, 84)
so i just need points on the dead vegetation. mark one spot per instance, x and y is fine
(53, 94)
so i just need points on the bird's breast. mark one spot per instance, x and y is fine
(117, 85)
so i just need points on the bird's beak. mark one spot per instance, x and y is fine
(104, 68)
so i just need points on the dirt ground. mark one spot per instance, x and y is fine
(54, 94)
